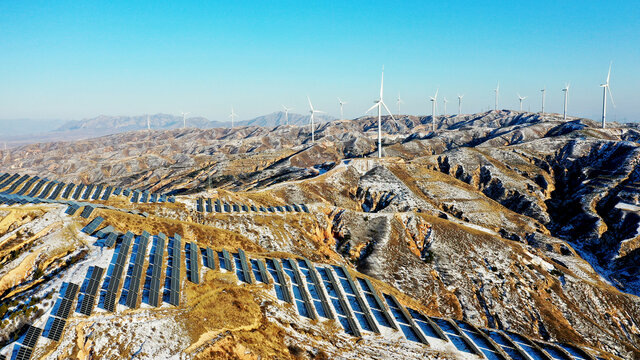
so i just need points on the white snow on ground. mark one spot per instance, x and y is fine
(627, 207)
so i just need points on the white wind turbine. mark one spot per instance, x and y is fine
(399, 101)
(543, 91)
(148, 123)
(184, 120)
(341, 105)
(379, 104)
(313, 111)
(497, 91)
(445, 101)
(460, 104)
(605, 89)
(566, 99)
(521, 98)
(434, 99)
(286, 113)
(233, 117)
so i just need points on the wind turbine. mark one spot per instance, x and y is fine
(286, 113)
(460, 104)
(445, 106)
(148, 123)
(399, 101)
(379, 104)
(521, 98)
(605, 89)
(543, 93)
(233, 116)
(184, 120)
(341, 105)
(497, 90)
(566, 99)
(434, 99)
(312, 111)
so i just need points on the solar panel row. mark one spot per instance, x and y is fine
(203, 205)
(302, 300)
(55, 327)
(345, 316)
(72, 209)
(96, 194)
(27, 185)
(193, 271)
(86, 212)
(31, 337)
(155, 263)
(244, 266)
(134, 273)
(47, 190)
(280, 282)
(22, 353)
(67, 190)
(78, 191)
(208, 258)
(37, 188)
(318, 296)
(110, 295)
(172, 282)
(104, 231)
(93, 225)
(111, 239)
(358, 306)
(407, 325)
(56, 192)
(87, 191)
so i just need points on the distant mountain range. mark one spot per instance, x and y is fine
(45, 131)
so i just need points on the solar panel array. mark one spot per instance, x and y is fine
(27, 185)
(318, 296)
(93, 225)
(67, 190)
(527, 345)
(36, 189)
(481, 341)
(15, 185)
(360, 310)
(193, 270)
(131, 287)
(47, 190)
(104, 231)
(242, 266)
(86, 212)
(428, 327)
(405, 321)
(172, 281)
(374, 301)
(96, 194)
(345, 316)
(302, 301)
(225, 260)
(151, 290)
(114, 276)
(208, 258)
(205, 205)
(259, 271)
(72, 209)
(61, 310)
(87, 191)
(25, 350)
(89, 290)
(56, 192)
(279, 281)
(144, 196)
(76, 194)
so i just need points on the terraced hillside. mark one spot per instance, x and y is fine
(501, 235)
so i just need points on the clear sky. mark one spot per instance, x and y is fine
(80, 59)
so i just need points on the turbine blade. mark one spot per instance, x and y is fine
(311, 106)
(611, 96)
(609, 73)
(388, 111)
(373, 107)
(382, 83)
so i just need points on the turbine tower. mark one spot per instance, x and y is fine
(497, 90)
(233, 116)
(543, 91)
(286, 113)
(460, 104)
(605, 89)
(379, 104)
(521, 98)
(566, 99)
(399, 101)
(312, 111)
(341, 105)
(444, 100)
(184, 120)
(148, 123)
(434, 99)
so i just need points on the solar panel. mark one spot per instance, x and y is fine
(72, 209)
(171, 199)
(86, 212)
(15, 185)
(144, 196)
(117, 191)
(78, 191)
(23, 353)
(287, 208)
(56, 192)
(134, 197)
(162, 198)
(56, 328)
(245, 266)
(88, 302)
(226, 207)
(208, 205)
(47, 190)
(71, 291)
(126, 192)
(199, 205)
(254, 208)
(153, 197)
(270, 209)
(104, 231)
(407, 325)
(236, 208)
(315, 288)
(31, 337)
(67, 190)
(97, 192)
(295, 207)
(9, 180)
(107, 193)
(279, 208)
(193, 270)
(263, 271)
(93, 225)
(245, 208)
(87, 191)
(111, 239)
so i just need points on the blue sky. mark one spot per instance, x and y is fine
(73, 60)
